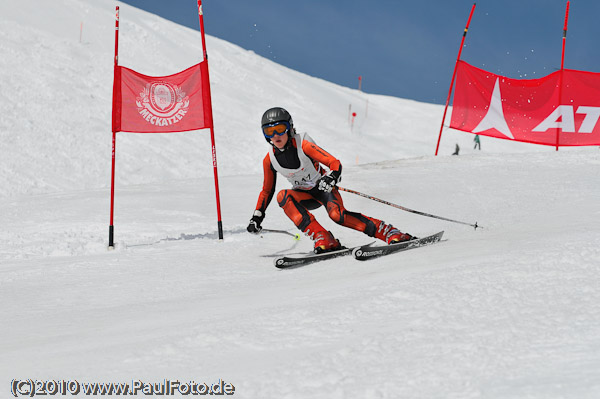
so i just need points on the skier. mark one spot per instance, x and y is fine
(456, 149)
(300, 160)
(477, 142)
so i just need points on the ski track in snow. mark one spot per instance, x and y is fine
(509, 310)
(506, 311)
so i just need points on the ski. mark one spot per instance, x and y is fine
(367, 252)
(362, 252)
(288, 262)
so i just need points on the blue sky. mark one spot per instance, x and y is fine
(400, 48)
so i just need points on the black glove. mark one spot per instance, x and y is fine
(328, 182)
(254, 225)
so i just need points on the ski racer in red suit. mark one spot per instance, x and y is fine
(300, 160)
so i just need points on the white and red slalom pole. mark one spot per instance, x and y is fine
(207, 97)
(562, 65)
(462, 43)
(111, 229)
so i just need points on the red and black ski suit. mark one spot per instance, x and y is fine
(305, 196)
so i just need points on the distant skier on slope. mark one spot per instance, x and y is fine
(456, 150)
(299, 159)
(477, 142)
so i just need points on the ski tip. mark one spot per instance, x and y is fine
(279, 263)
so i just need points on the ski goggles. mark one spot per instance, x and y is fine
(277, 128)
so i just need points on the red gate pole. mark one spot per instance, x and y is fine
(206, 83)
(562, 64)
(111, 229)
(453, 77)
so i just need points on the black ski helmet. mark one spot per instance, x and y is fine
(277, 114)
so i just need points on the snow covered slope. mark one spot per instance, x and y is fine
(507, 311)
(56, 100)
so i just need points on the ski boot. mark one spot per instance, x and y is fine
(324, 240)
(391, 235)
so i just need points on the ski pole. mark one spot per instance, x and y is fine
(296, 236)
(405, 209)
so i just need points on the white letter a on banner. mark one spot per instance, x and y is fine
(494, 119)
(561, 118)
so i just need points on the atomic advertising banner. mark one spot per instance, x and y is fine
(175, 103)
(562, 108)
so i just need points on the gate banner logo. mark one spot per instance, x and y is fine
(175, 103)
(563, 106)
(162, 103)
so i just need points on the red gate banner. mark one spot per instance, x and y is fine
(562, 108)
(175, 103)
